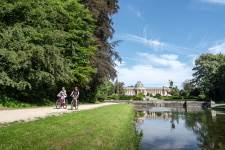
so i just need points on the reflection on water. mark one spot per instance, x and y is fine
(166, 129)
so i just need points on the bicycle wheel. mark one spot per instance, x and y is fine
(72, 104)
(76, 104)
(65, 104)
(58, 104)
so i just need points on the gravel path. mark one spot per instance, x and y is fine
(7, 116)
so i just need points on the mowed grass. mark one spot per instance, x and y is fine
(106, 128)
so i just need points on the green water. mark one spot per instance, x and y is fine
(165, 129)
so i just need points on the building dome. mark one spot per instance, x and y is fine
(139, 85)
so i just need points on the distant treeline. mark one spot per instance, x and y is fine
(208, 82)
(47, 44)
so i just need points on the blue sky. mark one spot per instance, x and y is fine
(160, 39)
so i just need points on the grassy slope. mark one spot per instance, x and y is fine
(106, 128)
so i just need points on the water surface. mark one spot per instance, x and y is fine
(171, 129)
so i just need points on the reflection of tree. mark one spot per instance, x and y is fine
(208, 132)
(159, 114)
(174, 117)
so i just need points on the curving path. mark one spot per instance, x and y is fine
(7, 116)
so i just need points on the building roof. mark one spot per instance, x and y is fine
(140, 85)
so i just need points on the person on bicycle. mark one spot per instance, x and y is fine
(62, 95)
(75, 95)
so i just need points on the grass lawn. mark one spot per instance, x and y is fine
(106, 128)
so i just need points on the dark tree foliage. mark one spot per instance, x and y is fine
(119, 87)
(190, 88)
(220, 83)
(105, 57)
(44, 44)
(209, 75)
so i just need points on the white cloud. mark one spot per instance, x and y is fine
(166, 60)
(215, 1)
(136, 12)
(154, 44)
(154, 70)
(144, 40)
(218, 48)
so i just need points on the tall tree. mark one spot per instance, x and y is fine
(170, 84)
(105, 57)
(119, 87)
(209, 74)
(190, 89)
(105, 90)
(220, 83)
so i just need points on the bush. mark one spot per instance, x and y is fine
(12, 103)
(101, 98)
(157, 96)
(113, 97)
(126, 97)
(202, 97)
(139, 96)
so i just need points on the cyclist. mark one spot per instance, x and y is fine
(75, 94)
(62, 95)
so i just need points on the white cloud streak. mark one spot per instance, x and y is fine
(144, 40)
(137, 13)
(154, 44)
(221, 2)
(218, 48)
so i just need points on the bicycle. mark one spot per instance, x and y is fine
(60, 104)
(74, 103)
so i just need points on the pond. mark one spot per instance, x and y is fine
(177, 128)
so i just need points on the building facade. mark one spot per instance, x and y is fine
(139, 88)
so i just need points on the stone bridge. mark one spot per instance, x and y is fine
(161, 103)
(216, 105)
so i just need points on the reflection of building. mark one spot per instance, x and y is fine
(139, 88)
(155, 115)
(159, 115)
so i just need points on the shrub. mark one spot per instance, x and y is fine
(202, 97)
(101, 98)
(125, 97)
(12, 103)
(114, 97)
(139, 96)
(157, 96)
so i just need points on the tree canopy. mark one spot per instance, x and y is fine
(45, 44)
(209, 75)
(106, 55)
